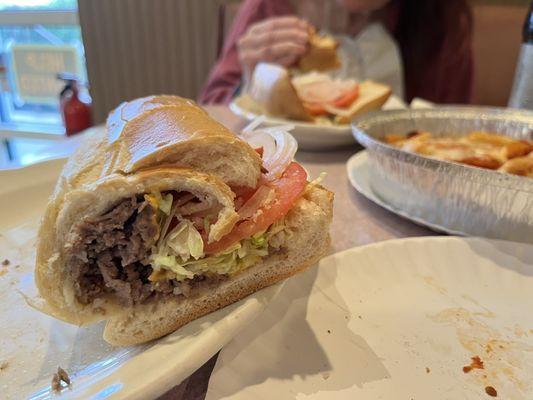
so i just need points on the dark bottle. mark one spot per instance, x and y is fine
(522, 93)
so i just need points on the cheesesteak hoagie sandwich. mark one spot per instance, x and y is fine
(168, 216)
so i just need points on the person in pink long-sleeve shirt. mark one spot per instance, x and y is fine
(434, 38)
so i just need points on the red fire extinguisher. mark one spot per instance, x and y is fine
(76, 113)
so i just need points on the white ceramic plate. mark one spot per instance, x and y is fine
(312, 136)
(359, 176)
(392, 320)
(33, 345)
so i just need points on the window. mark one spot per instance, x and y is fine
(46, 5)
(38, 39)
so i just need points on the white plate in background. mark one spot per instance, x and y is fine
(313, 136)
(392, 320)
(33, 345)
(359, 176)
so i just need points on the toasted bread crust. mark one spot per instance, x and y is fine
(180, 133)
(162, 130)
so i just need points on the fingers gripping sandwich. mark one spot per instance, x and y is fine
(168, 216)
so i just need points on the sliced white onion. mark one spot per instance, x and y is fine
(252, 125)
(286, 147)
(279, 146)
(321, 88)
(262, 140)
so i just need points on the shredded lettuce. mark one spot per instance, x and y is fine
(183, 251)
(180, 251)
(207, 226)
(259, 240)
(319, 180)
(164, 202)
(186, 241)
(276, 227)
(170, 263)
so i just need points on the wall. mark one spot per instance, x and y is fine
(139, 47)
(496, 43)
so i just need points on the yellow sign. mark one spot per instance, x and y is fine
(34, 70)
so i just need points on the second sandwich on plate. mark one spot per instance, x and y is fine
(313, 97)
(168, 216)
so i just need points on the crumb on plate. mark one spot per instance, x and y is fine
(475, 364)
(60, 376)
(491, 391)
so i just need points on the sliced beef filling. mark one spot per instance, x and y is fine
(110, 254)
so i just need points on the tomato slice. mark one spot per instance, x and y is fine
(343, 101)
(315, 108)
(287, 189)
(242, 194)
(346, 99)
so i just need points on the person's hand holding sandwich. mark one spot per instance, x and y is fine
(278, 40)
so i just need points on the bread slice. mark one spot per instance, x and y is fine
(321, 55)
(304, 242)
(271, 89)
(160, 130)
(372, 96)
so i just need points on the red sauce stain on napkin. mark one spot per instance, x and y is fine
(491, 391)
(475, 364)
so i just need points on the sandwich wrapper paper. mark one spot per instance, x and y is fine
(392, 320)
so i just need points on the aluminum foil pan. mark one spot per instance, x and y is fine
(461, 198)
